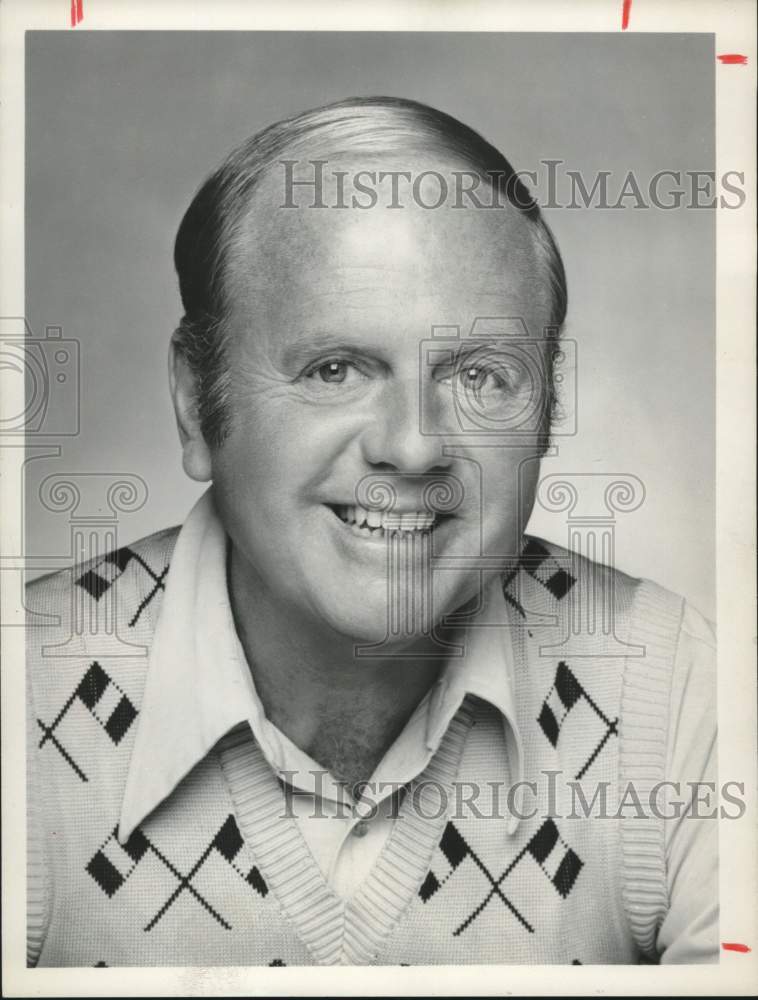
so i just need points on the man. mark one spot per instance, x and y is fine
(355, 717)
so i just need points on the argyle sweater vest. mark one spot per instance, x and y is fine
(219, 874)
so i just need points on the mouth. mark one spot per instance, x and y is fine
(376, 525)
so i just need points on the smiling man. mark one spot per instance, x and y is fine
(352, 730)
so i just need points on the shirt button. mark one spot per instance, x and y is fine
(360, 829)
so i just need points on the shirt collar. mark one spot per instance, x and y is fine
(199, 687)
(195, 689)
(485, 670)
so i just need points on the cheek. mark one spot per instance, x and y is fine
(275, 452)
(253, 473)
(509, 485)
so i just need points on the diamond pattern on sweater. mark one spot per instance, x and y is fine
(558, 862)
(98, 580)
(107, 704)
(112, 864)
(228, 842)
(561, 890)
(542, 566)
(563, 696)
(555, 857)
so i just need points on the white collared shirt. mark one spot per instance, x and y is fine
(199, 686)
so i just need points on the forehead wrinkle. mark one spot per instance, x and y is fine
(266, 225)
(498, 260)
(327, 293)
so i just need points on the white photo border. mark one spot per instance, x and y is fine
(733, 25)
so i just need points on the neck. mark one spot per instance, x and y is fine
(342, 710)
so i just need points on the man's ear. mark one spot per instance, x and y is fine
(196, 455)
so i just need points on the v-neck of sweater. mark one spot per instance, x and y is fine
(339, 931)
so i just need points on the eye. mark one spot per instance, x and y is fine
(333, 371)
(473, 377)
(480, 380)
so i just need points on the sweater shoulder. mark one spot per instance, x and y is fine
(591, 599)
(548, 557)
(104, 609)
(585, 568)
(50, 594)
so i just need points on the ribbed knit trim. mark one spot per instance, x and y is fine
(337, 931)
(645, 709)
(37, 892)
(280, 852)
(38, 889)
(374, 910)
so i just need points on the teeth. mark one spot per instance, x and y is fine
(372, 521)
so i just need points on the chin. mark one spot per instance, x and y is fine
(363, 629)
(397, 630)
(372, 623)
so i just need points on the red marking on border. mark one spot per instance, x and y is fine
(625, 14)
(733, 59)
(77, 12)
(733, 946)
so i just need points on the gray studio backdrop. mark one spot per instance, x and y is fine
(122, 127)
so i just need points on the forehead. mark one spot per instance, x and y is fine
(410, 266)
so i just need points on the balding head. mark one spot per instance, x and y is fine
(241, 209)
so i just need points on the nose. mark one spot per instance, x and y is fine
(394, 438)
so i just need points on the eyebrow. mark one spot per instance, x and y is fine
(305, 345)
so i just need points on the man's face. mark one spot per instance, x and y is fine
(331, 383)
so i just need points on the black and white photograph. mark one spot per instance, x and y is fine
(379, 450)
